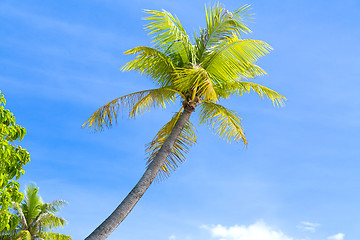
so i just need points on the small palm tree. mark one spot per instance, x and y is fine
(215, 66)
(36, 219)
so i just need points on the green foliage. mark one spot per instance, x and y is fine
(36, 218)
(13, 158)
(217, 64)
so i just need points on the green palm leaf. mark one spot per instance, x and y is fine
(54, 206)
(48, 221)
(19, 212)
(236, 59)
(186, 139)
(240, 87)
(220, 25)
(31, 205)
(22, 235)
(54, 236)
(137, 103)
(195, 81)
(169, 35)
(223, 121)
(152, 63)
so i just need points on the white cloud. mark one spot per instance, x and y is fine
(308, 226)
(339, 236)
(256, 231)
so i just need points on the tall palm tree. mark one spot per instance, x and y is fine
(36, 219)
(215, 66)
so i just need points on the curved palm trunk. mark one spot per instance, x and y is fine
(120, 213)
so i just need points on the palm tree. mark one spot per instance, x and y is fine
(36, 219)
(215, 66)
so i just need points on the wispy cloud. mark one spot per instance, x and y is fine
(259, 230)
(339, 236)
(45, 22)
(308, 226)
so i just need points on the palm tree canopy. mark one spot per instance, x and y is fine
(36, 218)
(215, 65)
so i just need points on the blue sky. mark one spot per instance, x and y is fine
(297, 179)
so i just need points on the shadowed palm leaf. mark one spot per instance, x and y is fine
(186, 139)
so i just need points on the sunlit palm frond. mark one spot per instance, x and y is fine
(240, 87)
(223, 121)
(236, 59)
(47, 218)
(22, 235)
(54, 236)
(221, 25)
(15, 235)
(244, 87)
(136, 103)
(152, 63)
(186, 139)
(50, 221)
(54, 206)
(19, 212)
(169, 35)
(31, 205)
(155, 98)
(195, 81)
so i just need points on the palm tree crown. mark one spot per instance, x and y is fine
(36, 219)
(215, 66)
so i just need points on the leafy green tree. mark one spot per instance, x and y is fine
(217, 64)
(37, 218)
(13, 158)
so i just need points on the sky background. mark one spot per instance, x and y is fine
(298, 179)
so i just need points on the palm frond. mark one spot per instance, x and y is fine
(152, 63)
(49, 221)
(240, 87)
(169, 36)
(6, 235)
(186, 139)
(32, 202)
(223, 121)
(54, 236)
(220, 25)
(235, 60)
(136, 103)
(19, 212)
(155, 98)
(15, 235)
(22, 235)
(54, 206)
(196, 81)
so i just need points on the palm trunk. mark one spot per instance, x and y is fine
(125, 207)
